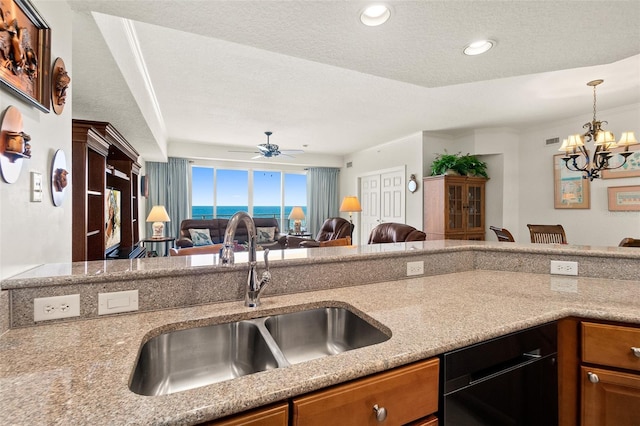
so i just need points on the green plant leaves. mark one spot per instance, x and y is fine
(465, 165)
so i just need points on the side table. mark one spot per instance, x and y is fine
(166, 240)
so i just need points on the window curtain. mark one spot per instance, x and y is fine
(168, 187)
(323, 199)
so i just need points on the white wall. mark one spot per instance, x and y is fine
(594, 226)
(405, 152)
(34, 233)
(520, 167)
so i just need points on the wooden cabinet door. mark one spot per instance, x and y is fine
(474, 208)
(454, 206)
(406, 393)
(613, 400)
(275, 415)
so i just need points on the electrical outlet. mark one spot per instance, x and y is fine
(415, 268)
(49, 308)
(559, 267)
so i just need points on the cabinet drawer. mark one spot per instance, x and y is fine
(610, 345)
(406, 393)
(275, 415)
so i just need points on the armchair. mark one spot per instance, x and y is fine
(390, 232)
(332, 229)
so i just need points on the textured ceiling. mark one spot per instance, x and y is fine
(223, 72)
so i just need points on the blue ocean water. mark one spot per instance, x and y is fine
(225, 212)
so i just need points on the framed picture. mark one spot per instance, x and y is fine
(630, 169)
(624, 198)
(571, 191)
(25, 51)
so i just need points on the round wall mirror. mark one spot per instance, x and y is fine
(412, 186)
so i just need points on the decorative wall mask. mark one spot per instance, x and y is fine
(14, 145)
(60, 177)
(60, 80)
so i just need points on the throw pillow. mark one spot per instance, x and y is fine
(200, 237)
(266, 235)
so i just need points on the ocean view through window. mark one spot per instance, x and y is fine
(220, 193)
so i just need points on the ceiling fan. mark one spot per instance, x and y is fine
(269, 150)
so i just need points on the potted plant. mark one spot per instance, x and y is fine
(464, 165)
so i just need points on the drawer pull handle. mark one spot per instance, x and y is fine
(636, 351)
(593, 377)
(381, 413)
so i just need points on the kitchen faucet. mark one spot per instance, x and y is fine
(254, 287)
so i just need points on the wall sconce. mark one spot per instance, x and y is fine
(158, 215)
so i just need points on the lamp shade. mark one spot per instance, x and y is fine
(627, 138)
(350, 204)
(296, 213)
(158, 214)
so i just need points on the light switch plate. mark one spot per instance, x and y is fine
(36, 187)
(119, 301)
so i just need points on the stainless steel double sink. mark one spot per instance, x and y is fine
(190, 358)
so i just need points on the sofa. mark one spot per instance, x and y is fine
(267, 228)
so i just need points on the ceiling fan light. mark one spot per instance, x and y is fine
(375, 15)
(478, 47)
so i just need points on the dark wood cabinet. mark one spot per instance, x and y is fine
(454, 207)
(102, 159)
(609, 375)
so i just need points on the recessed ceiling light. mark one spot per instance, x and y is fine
(478, 47)
(375, 15)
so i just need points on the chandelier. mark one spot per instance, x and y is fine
(577, 157)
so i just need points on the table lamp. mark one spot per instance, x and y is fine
(297, 215)
(158, 215)
(350, 204)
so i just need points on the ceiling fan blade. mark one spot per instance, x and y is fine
(246, 152)
(257, 156)
(292, 151)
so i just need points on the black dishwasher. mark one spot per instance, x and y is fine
(509, 380)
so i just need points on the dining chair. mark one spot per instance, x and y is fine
(547, 234)
(503, 234)
(629, 242)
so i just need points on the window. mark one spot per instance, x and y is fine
(267, 194)
(232, 192)
(219, 193)
(202, 192)
(295, 194)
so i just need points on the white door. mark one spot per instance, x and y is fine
(370, 215)
(383, 200)
(392, 197)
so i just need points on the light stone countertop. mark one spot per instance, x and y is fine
(78, 372)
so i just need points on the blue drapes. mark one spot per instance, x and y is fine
(168, 186)
(323, 199)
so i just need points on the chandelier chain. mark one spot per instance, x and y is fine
(594, 104)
